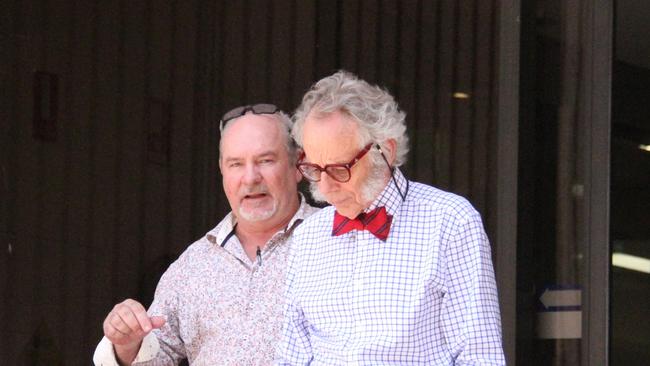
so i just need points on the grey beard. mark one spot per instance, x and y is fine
(369, 192)
(258, 216)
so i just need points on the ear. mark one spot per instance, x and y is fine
(298, 175)
(389, 148)
(299, 153)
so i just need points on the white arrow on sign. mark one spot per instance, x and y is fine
(559, 297)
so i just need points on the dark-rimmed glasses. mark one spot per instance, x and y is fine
(338, 172)
(260, 108)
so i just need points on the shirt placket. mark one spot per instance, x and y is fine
(352, 357)
(241, 328)
(255, 289)
(246, 326)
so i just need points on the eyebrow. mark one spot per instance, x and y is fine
(340, 161)
(266, 154)
(257, 156)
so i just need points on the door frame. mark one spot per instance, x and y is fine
(597, 48)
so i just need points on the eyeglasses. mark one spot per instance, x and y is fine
(261, 108)
(338, 172)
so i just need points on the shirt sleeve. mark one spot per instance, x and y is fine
(162, 346)
(294, 348)
(470, 314)
(105, 353)
(166, 303)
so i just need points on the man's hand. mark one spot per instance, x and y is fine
(126, 325)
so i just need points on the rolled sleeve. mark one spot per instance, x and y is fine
(105, 353)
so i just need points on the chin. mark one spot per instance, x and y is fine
(348, 212)
(255, 217)
(257, 214)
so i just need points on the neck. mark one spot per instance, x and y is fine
(253, 235)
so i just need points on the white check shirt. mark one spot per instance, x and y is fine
(426, 296)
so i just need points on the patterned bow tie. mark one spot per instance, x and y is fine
(376, 221)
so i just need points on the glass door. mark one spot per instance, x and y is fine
(563, 248)
(630, 186)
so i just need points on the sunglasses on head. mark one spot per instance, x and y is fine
(261, 108)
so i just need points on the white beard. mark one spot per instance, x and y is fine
(256, 214)
(370, 190)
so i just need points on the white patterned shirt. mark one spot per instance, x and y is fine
(221, 307)
(426, 296)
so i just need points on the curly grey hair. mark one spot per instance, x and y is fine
(375, 110)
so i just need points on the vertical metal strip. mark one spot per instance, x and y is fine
(507, 120)
(598, 30)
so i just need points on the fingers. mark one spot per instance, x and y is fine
(141, 320)
(157, 321)
(128, 323)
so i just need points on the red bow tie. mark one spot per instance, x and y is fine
(376, 221)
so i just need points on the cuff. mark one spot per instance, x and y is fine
(105, 353)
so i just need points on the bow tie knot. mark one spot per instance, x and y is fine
(376, 221)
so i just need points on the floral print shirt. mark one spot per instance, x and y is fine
(221, 307)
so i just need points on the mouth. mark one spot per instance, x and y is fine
(338, 201)
(255, 196)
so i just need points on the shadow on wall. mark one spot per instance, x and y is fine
(41, 349)
(149, 280)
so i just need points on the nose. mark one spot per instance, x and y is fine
(326, 183)
(252, 174)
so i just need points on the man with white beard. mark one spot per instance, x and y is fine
(395, 272)
(221, 302)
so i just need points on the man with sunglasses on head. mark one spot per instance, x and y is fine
(221, 302)
(394, 272)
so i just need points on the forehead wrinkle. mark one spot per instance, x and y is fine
(254, 156)
(340, 152)
(251, 125)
